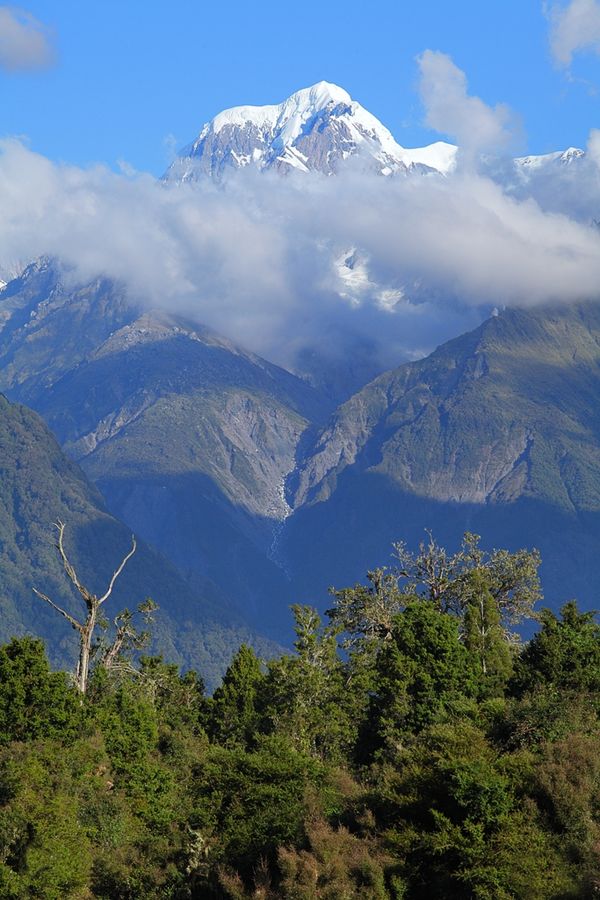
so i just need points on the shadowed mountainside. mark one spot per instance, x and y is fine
(497, 431)
(39, 485)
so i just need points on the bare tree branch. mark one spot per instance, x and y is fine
(93, 603)
(118, 571)
(77, 625)
(72, 574)
(123, 631)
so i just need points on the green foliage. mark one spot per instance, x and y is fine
(249, 804)
(34, 702)
(445, 579)
(424, 674)
(366, 612)
(483, 634)
(307, 699)
(233, 715)
(44, 848)
(450, 582)
(453, 817)
(395, 758)
(564, 654)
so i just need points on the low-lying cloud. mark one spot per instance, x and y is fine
(574, 26)
(24, 41)
(269, 261)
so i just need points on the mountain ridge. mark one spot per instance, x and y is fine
(528, 350)
(320, 129)
(315, 129)
(189, 437)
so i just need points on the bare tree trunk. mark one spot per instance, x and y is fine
(92, 604)
(85, 650)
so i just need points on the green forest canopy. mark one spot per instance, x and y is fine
(409, 747)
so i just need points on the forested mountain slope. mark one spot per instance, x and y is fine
(39, 485)
(497, 431)
(189, 437)
(217, 457)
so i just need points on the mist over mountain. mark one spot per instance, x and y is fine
(227, 464)
(392, 265)
(189, 437)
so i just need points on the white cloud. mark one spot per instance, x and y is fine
(255, 258)
(476, 127)
(573, 27)
(593, 147)
(24, 42)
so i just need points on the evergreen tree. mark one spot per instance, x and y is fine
(34, 701)
(563, 655)
(233, 716)
(306, 694)
(422, 672)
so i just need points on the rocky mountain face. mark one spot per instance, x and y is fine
(497, 431)
(317, 129)
(189, 438)
(48, 326)
(39, 486)
(223, 462)
(503, 412)
(322, 129)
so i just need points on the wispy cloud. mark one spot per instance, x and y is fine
(451, 110)
(24, 41)
(574, 26)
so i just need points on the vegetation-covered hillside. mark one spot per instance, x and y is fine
(188, 437)
(39, 485)
(409, 748)
(497, 431)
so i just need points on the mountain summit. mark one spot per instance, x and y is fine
(316, 129)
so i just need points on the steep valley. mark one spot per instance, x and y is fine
(240, 473)
(189, 438)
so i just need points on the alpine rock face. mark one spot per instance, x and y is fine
(496, 432)
(231, 467)
(317, 129)
(189, 437)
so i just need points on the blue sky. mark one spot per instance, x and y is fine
(130, 79)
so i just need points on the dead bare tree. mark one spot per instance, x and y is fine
(92, 603)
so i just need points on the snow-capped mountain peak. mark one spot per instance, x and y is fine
(286, 116)
(560, 158)
(315, 129)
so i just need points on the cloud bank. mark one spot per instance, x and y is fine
(352, 265)
(574, 27)
(269, 261)
(24, 42)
